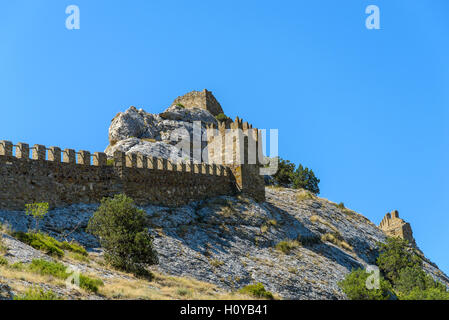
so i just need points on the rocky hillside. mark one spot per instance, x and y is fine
(298, 245)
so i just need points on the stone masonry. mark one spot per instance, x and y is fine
(200, 99)
(393, 226)
(78, 179)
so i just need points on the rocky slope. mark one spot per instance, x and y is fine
(234, 241)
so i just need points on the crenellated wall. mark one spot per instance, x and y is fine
(64, 177)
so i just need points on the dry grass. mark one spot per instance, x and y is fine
(125, 286)
(166, 288)
(315, 219)
(24, 275)
(336, 239)
(305, 195)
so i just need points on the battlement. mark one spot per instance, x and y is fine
(64, 177)
(394, 226)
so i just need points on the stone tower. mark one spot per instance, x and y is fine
(200, 99)
(393, 226)
(237, 145)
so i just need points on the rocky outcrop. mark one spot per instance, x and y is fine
(156, 135)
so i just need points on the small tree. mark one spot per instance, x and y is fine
(284, 175)
(306, 179)
(122, 231)
(37, 211)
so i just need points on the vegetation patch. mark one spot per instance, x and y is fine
(402, 276)
(221, 117)
(336, 239)
(123, 233)
(257, 290)
(48, 244)
(37, 294)
(216, 263)
(298, 177)
(287, 246)
(60, 271)
(304, 195)
(3, 261)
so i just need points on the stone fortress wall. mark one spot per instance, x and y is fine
(81, 177)
(64, 177)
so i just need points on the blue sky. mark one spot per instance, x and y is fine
(366, 109)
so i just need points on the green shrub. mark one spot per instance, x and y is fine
(426, 294)
(180, 105)
(221, 117)
(110, 162)
(49, 244)
(58, 270)
(17, 266)
(256, 290)
(3, 261)
(354, 286)
(395, 255)
(37, 294)
(122, 232)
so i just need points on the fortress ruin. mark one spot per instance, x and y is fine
(65, 177)
(393, 226)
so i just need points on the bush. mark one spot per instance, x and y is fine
(180, 105)
(49, 244)
(37, 294)
(58, 270)
(122, 231)
(426, 294)
(221, 117)
(256, 290)
(354, 286)
(3, 261)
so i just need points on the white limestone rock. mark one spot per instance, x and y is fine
(156, 135)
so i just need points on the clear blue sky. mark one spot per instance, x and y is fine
(366, 109)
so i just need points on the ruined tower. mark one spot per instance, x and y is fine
(200, 99)
(393, 226)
